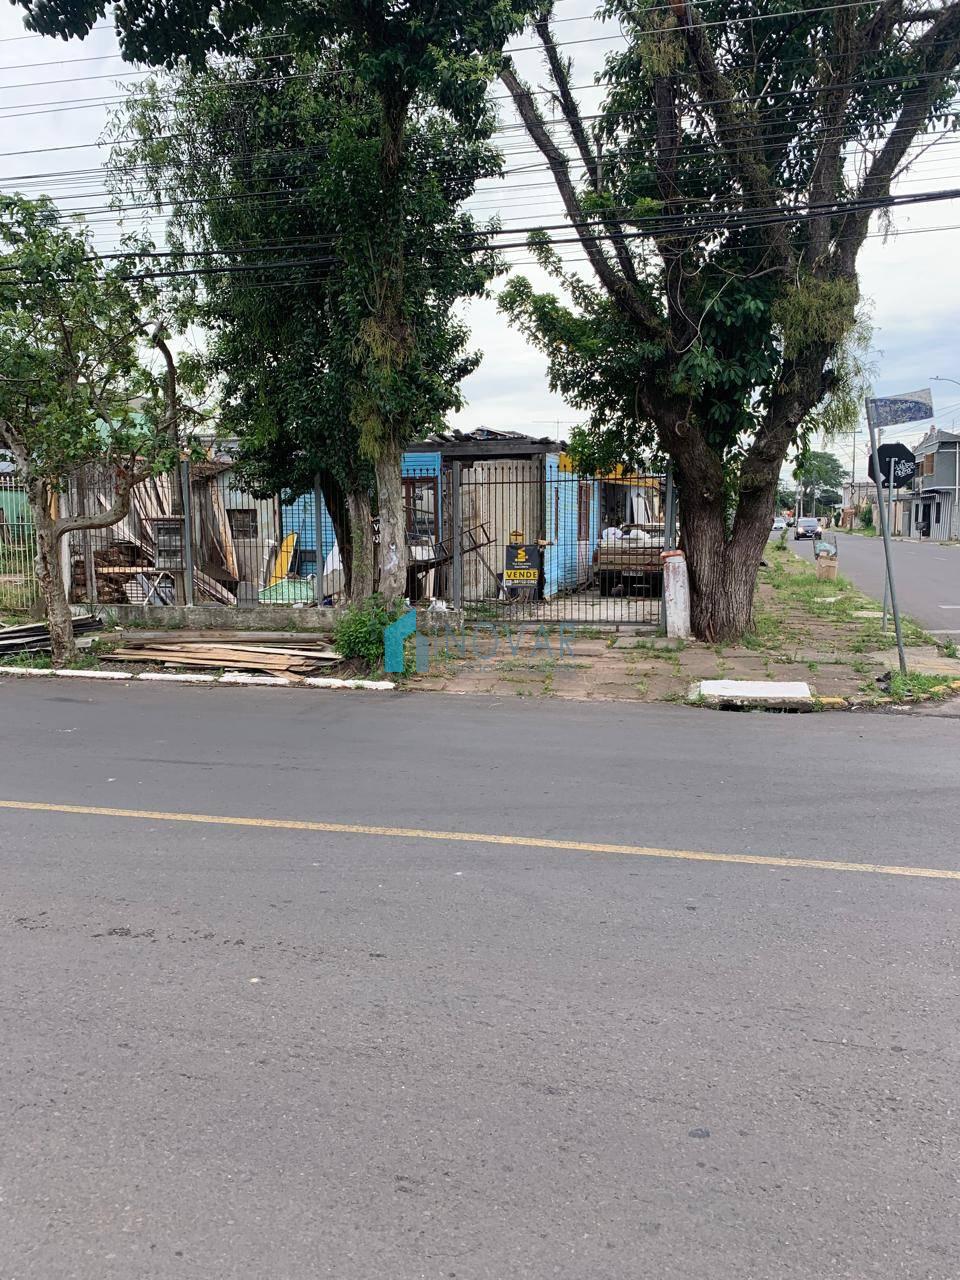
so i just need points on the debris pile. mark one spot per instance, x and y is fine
(291, 659)
(34, 637)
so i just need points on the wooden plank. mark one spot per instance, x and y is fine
(209, 586)
(226, 539)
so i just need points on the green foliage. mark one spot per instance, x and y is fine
(811, 312)
(76, 384)
(820, 476)
(358, 634)
(865, 515)
(913, 687)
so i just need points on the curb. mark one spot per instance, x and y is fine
(229, 678)
(853, 702)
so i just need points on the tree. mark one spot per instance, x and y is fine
(275, 282)
(408, 59)
(820, 476)
(726, 193)
(74, 387)
(786, 498)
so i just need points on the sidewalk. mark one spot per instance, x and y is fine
(825, 633)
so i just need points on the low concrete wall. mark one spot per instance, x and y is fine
(272, 617)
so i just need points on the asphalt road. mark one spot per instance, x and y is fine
(276, 1052)
(927, 576)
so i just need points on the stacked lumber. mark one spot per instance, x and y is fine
(292, 660)
(34, 637)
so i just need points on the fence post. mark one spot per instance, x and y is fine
(456, 534)
(187, 532)
(669, 514)
(89, 564)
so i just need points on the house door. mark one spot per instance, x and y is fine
(926, 520)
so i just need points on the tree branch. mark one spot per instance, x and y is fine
(825, 178)
(939, 50)
(567, 104)
(619, 289)
(128, 479)
(741, 143)
(560, 73)
(170, 388)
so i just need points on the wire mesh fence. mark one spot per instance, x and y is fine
(18, 550)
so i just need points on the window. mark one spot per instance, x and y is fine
(585, 496)
(243, 523)
(420, 507)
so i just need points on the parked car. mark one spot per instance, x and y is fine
(779, 524)
(806, 527)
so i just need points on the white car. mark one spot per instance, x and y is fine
(779, 524)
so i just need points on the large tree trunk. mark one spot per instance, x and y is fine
(50, 578)
(723, 567)
(393, 525)
(363, 574)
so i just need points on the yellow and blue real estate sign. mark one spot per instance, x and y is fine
(522, 566)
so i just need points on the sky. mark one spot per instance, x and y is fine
(52, 108)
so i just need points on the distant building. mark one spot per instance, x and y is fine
(932, 509)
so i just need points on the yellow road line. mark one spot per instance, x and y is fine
(477, 837)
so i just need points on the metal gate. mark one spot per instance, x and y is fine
(540, 541)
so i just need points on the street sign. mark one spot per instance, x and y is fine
(522, 566)
(913, 406)
(904, 465)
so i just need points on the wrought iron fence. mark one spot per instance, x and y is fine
(542, 541)
(200, 537)
(520, 539)
(18, 549)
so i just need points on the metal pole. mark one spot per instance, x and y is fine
(886, 580)
(887, 551)
(89, 563)
(456, 535)
(187, 493)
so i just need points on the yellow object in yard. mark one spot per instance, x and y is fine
(281, 568)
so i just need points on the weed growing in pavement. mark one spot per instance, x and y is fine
(913, 685)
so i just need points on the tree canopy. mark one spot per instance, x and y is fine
(76, 385)
(407, 61)
(270, 174)
(721, 199)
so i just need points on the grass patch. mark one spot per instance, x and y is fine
(912, 687)
(39, 660)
